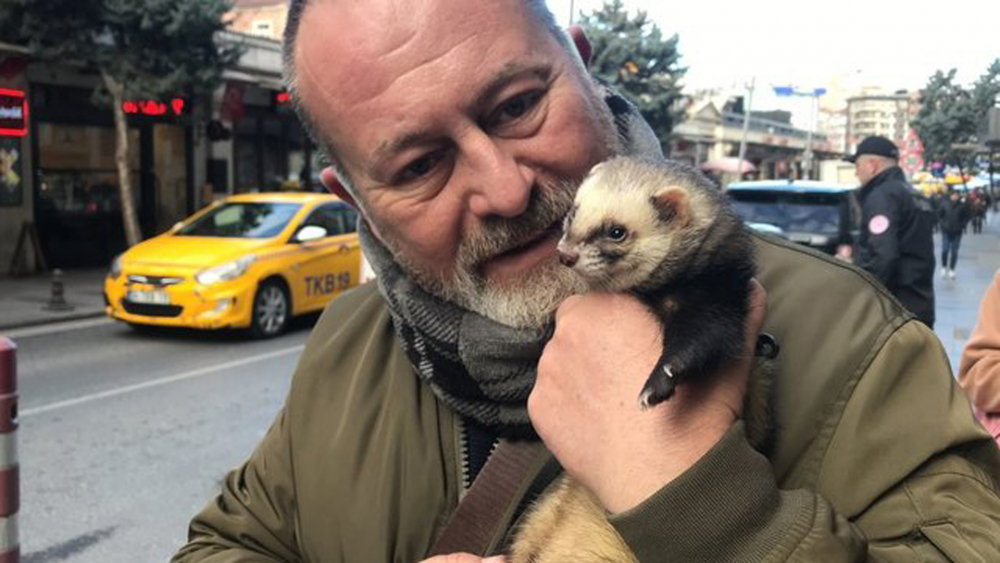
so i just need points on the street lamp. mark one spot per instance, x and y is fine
(746, 124)
(815, 93)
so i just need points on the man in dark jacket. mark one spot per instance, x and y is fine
(896, 243)
(954, 215)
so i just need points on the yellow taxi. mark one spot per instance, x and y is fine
(247, 261)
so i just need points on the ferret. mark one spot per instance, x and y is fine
(662, 232)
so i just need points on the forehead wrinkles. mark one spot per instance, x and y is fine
(377, 43)
(393, 65)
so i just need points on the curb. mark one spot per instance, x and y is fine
(61, 317)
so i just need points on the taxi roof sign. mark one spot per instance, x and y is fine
(13, 113)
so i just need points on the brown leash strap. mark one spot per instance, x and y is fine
(492, 497)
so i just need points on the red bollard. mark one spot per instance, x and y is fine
(10, 482)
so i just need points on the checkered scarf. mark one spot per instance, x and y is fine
(480, 368)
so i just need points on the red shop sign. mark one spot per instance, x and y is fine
(153, 107)
(13, 113)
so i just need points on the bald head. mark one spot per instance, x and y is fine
(537, 11)
(296, 8)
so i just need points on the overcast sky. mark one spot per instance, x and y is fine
(892, 44)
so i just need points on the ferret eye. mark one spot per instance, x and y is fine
(617, 233)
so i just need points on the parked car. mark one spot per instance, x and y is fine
(247, 261)
(821, 215)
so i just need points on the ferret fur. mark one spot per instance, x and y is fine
(688, 257)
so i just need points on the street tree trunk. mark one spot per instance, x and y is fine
(961, 172)
(132, 233)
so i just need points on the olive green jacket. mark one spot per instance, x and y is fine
(878, 456)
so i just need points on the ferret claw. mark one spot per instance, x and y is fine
(668, 371)
(644, 399)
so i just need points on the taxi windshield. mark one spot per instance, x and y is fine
(242, 220)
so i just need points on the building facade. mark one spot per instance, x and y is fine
(775, 147)
(887, 115)
(260, 18)
(60, 200)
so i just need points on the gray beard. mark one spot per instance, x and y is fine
(530, 300)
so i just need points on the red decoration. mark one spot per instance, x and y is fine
(178, 105)
(232, 103)
(13, 113)
(283, 97)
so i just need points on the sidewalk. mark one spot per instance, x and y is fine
(23, 299)
(957, 302)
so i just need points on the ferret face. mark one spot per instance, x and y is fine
(623, 225)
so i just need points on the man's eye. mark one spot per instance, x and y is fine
(515, 108)
(420, 167)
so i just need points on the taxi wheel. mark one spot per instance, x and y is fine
(270, 310)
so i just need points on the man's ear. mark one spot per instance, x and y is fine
(582, 43)
(331, 183)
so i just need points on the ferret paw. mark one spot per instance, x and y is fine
(659, 387)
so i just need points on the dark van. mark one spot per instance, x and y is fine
(821, 215)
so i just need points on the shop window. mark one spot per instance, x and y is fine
(77, 170)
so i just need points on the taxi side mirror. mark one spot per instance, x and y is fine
(311, 232)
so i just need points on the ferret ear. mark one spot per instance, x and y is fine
(672, 205)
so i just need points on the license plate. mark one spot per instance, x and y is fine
(149, 297)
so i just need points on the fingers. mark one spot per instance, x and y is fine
(464, 558)
(755, 315)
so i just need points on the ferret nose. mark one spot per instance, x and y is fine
(568, 258)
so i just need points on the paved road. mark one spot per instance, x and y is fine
(124, 436)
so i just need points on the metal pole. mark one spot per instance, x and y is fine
(10, 479)
(993, 191)
(746, 126)
(571, 12)
(809, 139)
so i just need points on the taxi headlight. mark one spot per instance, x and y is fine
(227, 271)
(116, 267)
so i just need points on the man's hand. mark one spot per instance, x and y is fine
(464, 558)
(585, 401)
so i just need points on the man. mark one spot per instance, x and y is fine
(897, 228)
(459, 129)
(953, 215)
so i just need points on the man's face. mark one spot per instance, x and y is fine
(865, 168)
(465, 128)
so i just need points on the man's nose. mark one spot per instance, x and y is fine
(500, 185)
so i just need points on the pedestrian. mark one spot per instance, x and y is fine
(978, 211)
(896, 242)
(460, 131)
(979, 369)
(953, 216)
